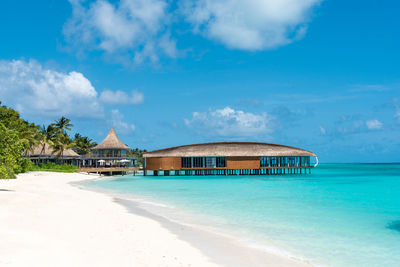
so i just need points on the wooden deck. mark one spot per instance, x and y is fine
(108, 170)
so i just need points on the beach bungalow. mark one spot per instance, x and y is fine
(112, 152)
(44, 153)
(229, 158)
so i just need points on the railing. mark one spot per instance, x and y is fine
(106, 158)
(110, 169)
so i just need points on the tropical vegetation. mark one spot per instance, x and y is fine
(83, 144)
(138, 153)
(19, 137)
(52, 167)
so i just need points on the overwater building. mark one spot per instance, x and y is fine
(109, 153)
(229, 158)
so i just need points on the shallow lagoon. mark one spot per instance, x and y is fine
(340, 215)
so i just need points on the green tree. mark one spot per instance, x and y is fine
(28, 133)
(30, 136)
(83, 144)
(48, 135)
(17, 138)
(138, 153)
(62, 142)
(10, 152)
(63, 124)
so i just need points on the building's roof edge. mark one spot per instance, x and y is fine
(270, 145)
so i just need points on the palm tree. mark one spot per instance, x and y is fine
(48, 135)
(83, 144)
(30, 136)
(62, 142)
(63, 124)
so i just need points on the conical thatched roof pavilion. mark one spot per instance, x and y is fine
(111, 142)
(111, 152)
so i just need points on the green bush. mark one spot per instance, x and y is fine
(53, 167)
(24, 166)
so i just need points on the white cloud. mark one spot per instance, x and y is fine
(117, 121)
(121, 97)
(322, 130)
(142, 30)
(374, 124)
(33, 89)
(136, 27)
(230, 123)
(251, 24)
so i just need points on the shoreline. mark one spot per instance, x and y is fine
(237, 251)
(224, 250)
(48, 220)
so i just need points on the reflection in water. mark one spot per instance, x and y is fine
(394, 225)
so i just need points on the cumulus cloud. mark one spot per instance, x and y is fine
(120, 97)
(136, 27)
(117, 120)
(251, 24)
(374, 124)
(230, 123)
(143, 30)
(33, 89)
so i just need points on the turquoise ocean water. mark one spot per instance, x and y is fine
(340, 215)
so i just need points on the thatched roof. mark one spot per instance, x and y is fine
(111, 142)
(229, 149)
(48, 151)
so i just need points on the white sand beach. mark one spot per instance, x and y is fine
(46, 221)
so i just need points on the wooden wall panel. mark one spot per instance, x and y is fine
(243, 162)
(172, 163)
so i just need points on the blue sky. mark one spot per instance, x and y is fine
(321, 75)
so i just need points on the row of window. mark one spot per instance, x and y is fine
(220, 162)
(285, 161)
(203, 162)
(109, 153)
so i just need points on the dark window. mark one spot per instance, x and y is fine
(292, 161)
(203, 162)
(264, 161)
(221, 162)
(186, 162)
(198, 162)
